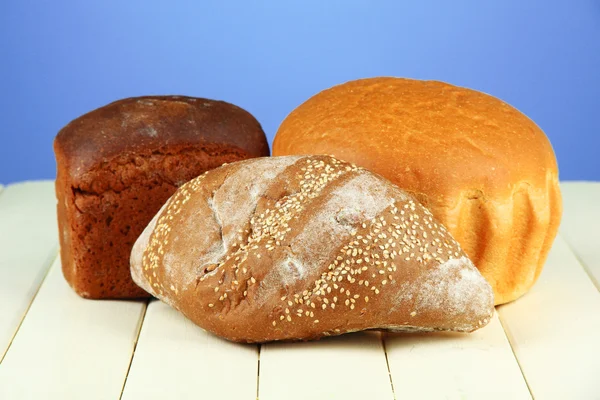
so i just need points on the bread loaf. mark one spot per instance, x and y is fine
(485, 170)
(117, 165)
(288, 248)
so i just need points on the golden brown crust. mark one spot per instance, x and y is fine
(302, 247)
(482, 167)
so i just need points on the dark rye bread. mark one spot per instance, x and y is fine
(301, 247)
(117, 165)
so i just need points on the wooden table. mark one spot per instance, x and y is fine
(55, 345)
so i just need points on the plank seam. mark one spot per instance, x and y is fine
(580, 260)
(510, 342)
(45, 270)
(387, 363)
(135, 343)
(259, 347)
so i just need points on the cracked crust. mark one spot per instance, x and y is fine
(116, 166)
(143, 126)
(483, 168)
(288, 248)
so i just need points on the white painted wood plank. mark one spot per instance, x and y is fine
(28, 244)
(580, 225)
(554, 330)
(175, 359)
(480, 365)
(69, 347)
(351, 366)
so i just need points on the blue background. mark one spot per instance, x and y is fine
(60, 59)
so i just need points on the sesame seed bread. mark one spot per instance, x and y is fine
(117, 165)
(485, 170)
(300, 247)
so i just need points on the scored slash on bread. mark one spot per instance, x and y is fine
(301, 247)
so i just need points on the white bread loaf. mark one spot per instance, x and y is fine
(485, 170)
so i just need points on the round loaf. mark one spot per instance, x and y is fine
(291, 248)
(483, 168)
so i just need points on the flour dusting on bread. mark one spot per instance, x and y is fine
(304, 247)
(235, 202)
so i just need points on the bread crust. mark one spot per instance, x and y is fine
(116, 166)
(296, 248)
(147, 124)
(483, 168)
